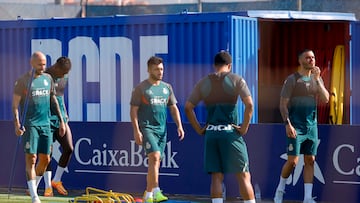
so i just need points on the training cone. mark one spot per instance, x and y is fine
(138, 200)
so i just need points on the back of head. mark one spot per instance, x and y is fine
(222, 58)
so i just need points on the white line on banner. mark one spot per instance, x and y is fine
(346, 182)
(124, 172)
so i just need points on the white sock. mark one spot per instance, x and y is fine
(308, 190)
(217, 200)
(47, 179)
(148, 195)
(282, 184)
(156, 189)
(32, 188)
(38, 179)
(250, 201)
(59, 172)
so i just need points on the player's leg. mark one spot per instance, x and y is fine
(309, 150)
(246, 188)
(217, 179)
(293, 152)
(30, 144)
(47, 180)
(66, 144)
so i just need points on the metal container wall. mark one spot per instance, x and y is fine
(109, 57)
(355, 73)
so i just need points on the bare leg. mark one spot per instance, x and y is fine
(153, 171)
(245, 186)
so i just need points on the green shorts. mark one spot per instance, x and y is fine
(153, 141)
(37, 139)
(306, 142)
(225, 152)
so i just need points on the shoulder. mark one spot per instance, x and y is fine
(47, 75)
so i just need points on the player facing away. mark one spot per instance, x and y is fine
(298, 108)
(36, 135)
(225, 148)
(59, 72)
(149, 102)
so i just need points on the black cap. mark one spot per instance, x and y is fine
(222, 58)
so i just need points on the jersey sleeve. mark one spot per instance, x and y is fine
(287, 87)
(242, 88)
(199, 91)
(172, 99)
(136, 97)
(19, 88)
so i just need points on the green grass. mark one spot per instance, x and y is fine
(14, 198)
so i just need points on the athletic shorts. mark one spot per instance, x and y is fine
(153, 141)
(306, 142)
(225, 152)
(37, 139)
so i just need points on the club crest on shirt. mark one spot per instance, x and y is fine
(46, 83)
(165, 91)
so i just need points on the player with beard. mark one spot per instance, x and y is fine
(298, 107)
(149, 102)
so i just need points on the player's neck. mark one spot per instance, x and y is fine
(154, 82)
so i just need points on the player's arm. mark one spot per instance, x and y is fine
(135, 124)
(322, 91)
(191, 116)
(56, 108)
(249, 109)
(15, 110)
(175, 114)
(290, 130)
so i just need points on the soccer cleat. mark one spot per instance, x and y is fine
(159, 197)
(279, 196)
(147, 200)
(309, 200)
(36, 200)
(59, 187)
(48, 192)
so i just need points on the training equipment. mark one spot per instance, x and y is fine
(337, 86)
(22, 121)
(102, 196)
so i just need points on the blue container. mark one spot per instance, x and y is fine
(109, 56)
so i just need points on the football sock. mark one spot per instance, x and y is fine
(32, 188)
(47, 179)
(282, 184)
(308, 190)
(217, 200)
(59, 172)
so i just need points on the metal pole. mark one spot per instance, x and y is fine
(299, 5)
(199, 6)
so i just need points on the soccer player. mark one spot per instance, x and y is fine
(225, 148)
(59, 72)
(37, 139)
(298, 107)
(149, 102)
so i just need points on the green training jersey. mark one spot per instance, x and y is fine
(60, 86)
(153, 101)
(302, 91)
(220, 92)
(38, 109)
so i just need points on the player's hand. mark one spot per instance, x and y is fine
(19, 131)
(62, 129)
(290, 131)
(241, 130)
(316, 72)
(201, 131)
(181, 133)
(138, 138)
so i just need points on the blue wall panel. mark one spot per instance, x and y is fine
(355, 73)
(244, 49)
(109, 57)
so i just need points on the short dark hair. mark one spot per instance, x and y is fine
(303, 51)
(154, 60)
(64, 63)
(222, 58)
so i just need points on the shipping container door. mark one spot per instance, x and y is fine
(355, 73)
(244, 49)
